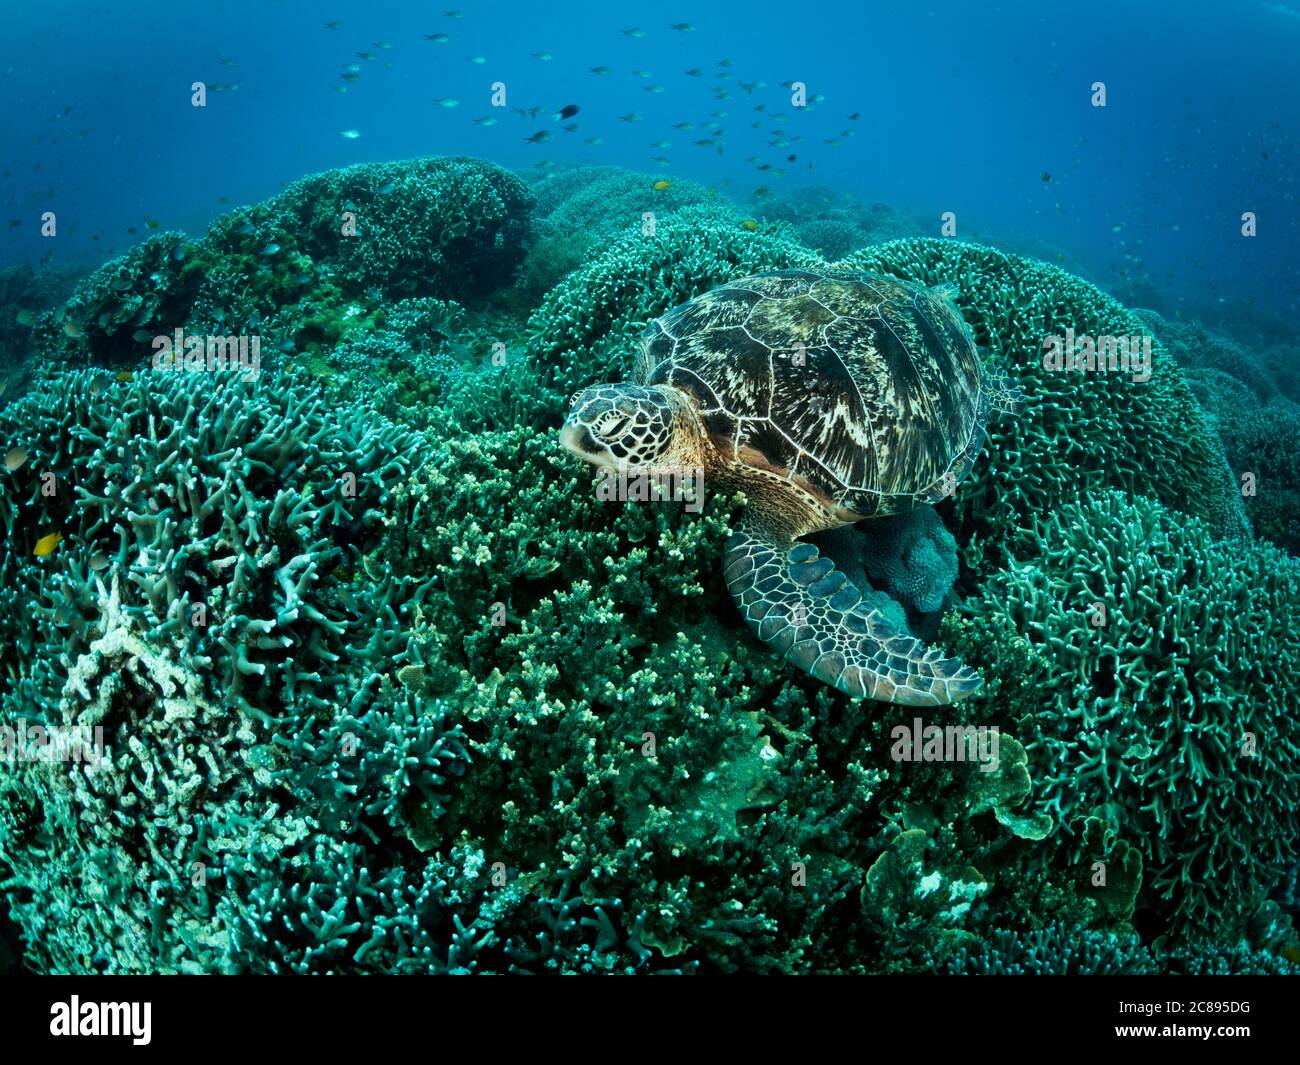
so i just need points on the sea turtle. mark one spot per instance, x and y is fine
(827, 398)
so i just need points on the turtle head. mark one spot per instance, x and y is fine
(632, 426)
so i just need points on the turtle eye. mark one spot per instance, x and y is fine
(614, 427)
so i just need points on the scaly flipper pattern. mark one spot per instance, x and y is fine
(800, 604)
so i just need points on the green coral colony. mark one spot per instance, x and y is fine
(386, 687)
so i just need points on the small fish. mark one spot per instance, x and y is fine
(855, 116)
(46, 544)
(661, 185)
(179, 254)
(243, 230)
(287, 345)
(350, 134)
(594, 140)
(682, 27)
(661, 144)
(634, 32)
(271, 249)
(600, 71)
(350, 76)
(567, 111)
(750, 224)
(383, 44)
(123, 376)
(367, 56)
(694, 72)
(25, 317)
(15, 459)
(656, 89)
(570, 127)
(99, 561)
(353, 67)
(683, 125)
(486, 120)
(1118, 227)
(1045, 177)
(446, 101)
(631, 116)
(334, 24)
(141, 335)
(540, 137)
(544, 57)
(73, 330)
(386, 188)
(437, 38)
(642, 74)
(151, 223)
(477, 60)
(339, 88)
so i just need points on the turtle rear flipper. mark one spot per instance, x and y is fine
(799, 603)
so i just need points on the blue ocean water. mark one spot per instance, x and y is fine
(982, 110)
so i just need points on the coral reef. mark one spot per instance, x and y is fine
(307, 265)
(601, 202)
(587, 328)
(1064, 440)
(388, 688)
(1150, 679)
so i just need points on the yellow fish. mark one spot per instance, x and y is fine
(750, 224)
(72, 329)
(46, 544)
(661, 184)
(123, 375)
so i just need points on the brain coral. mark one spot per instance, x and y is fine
(1153, 679)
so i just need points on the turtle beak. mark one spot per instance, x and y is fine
(577, 441)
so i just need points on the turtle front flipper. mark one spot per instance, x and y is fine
(809, 611)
